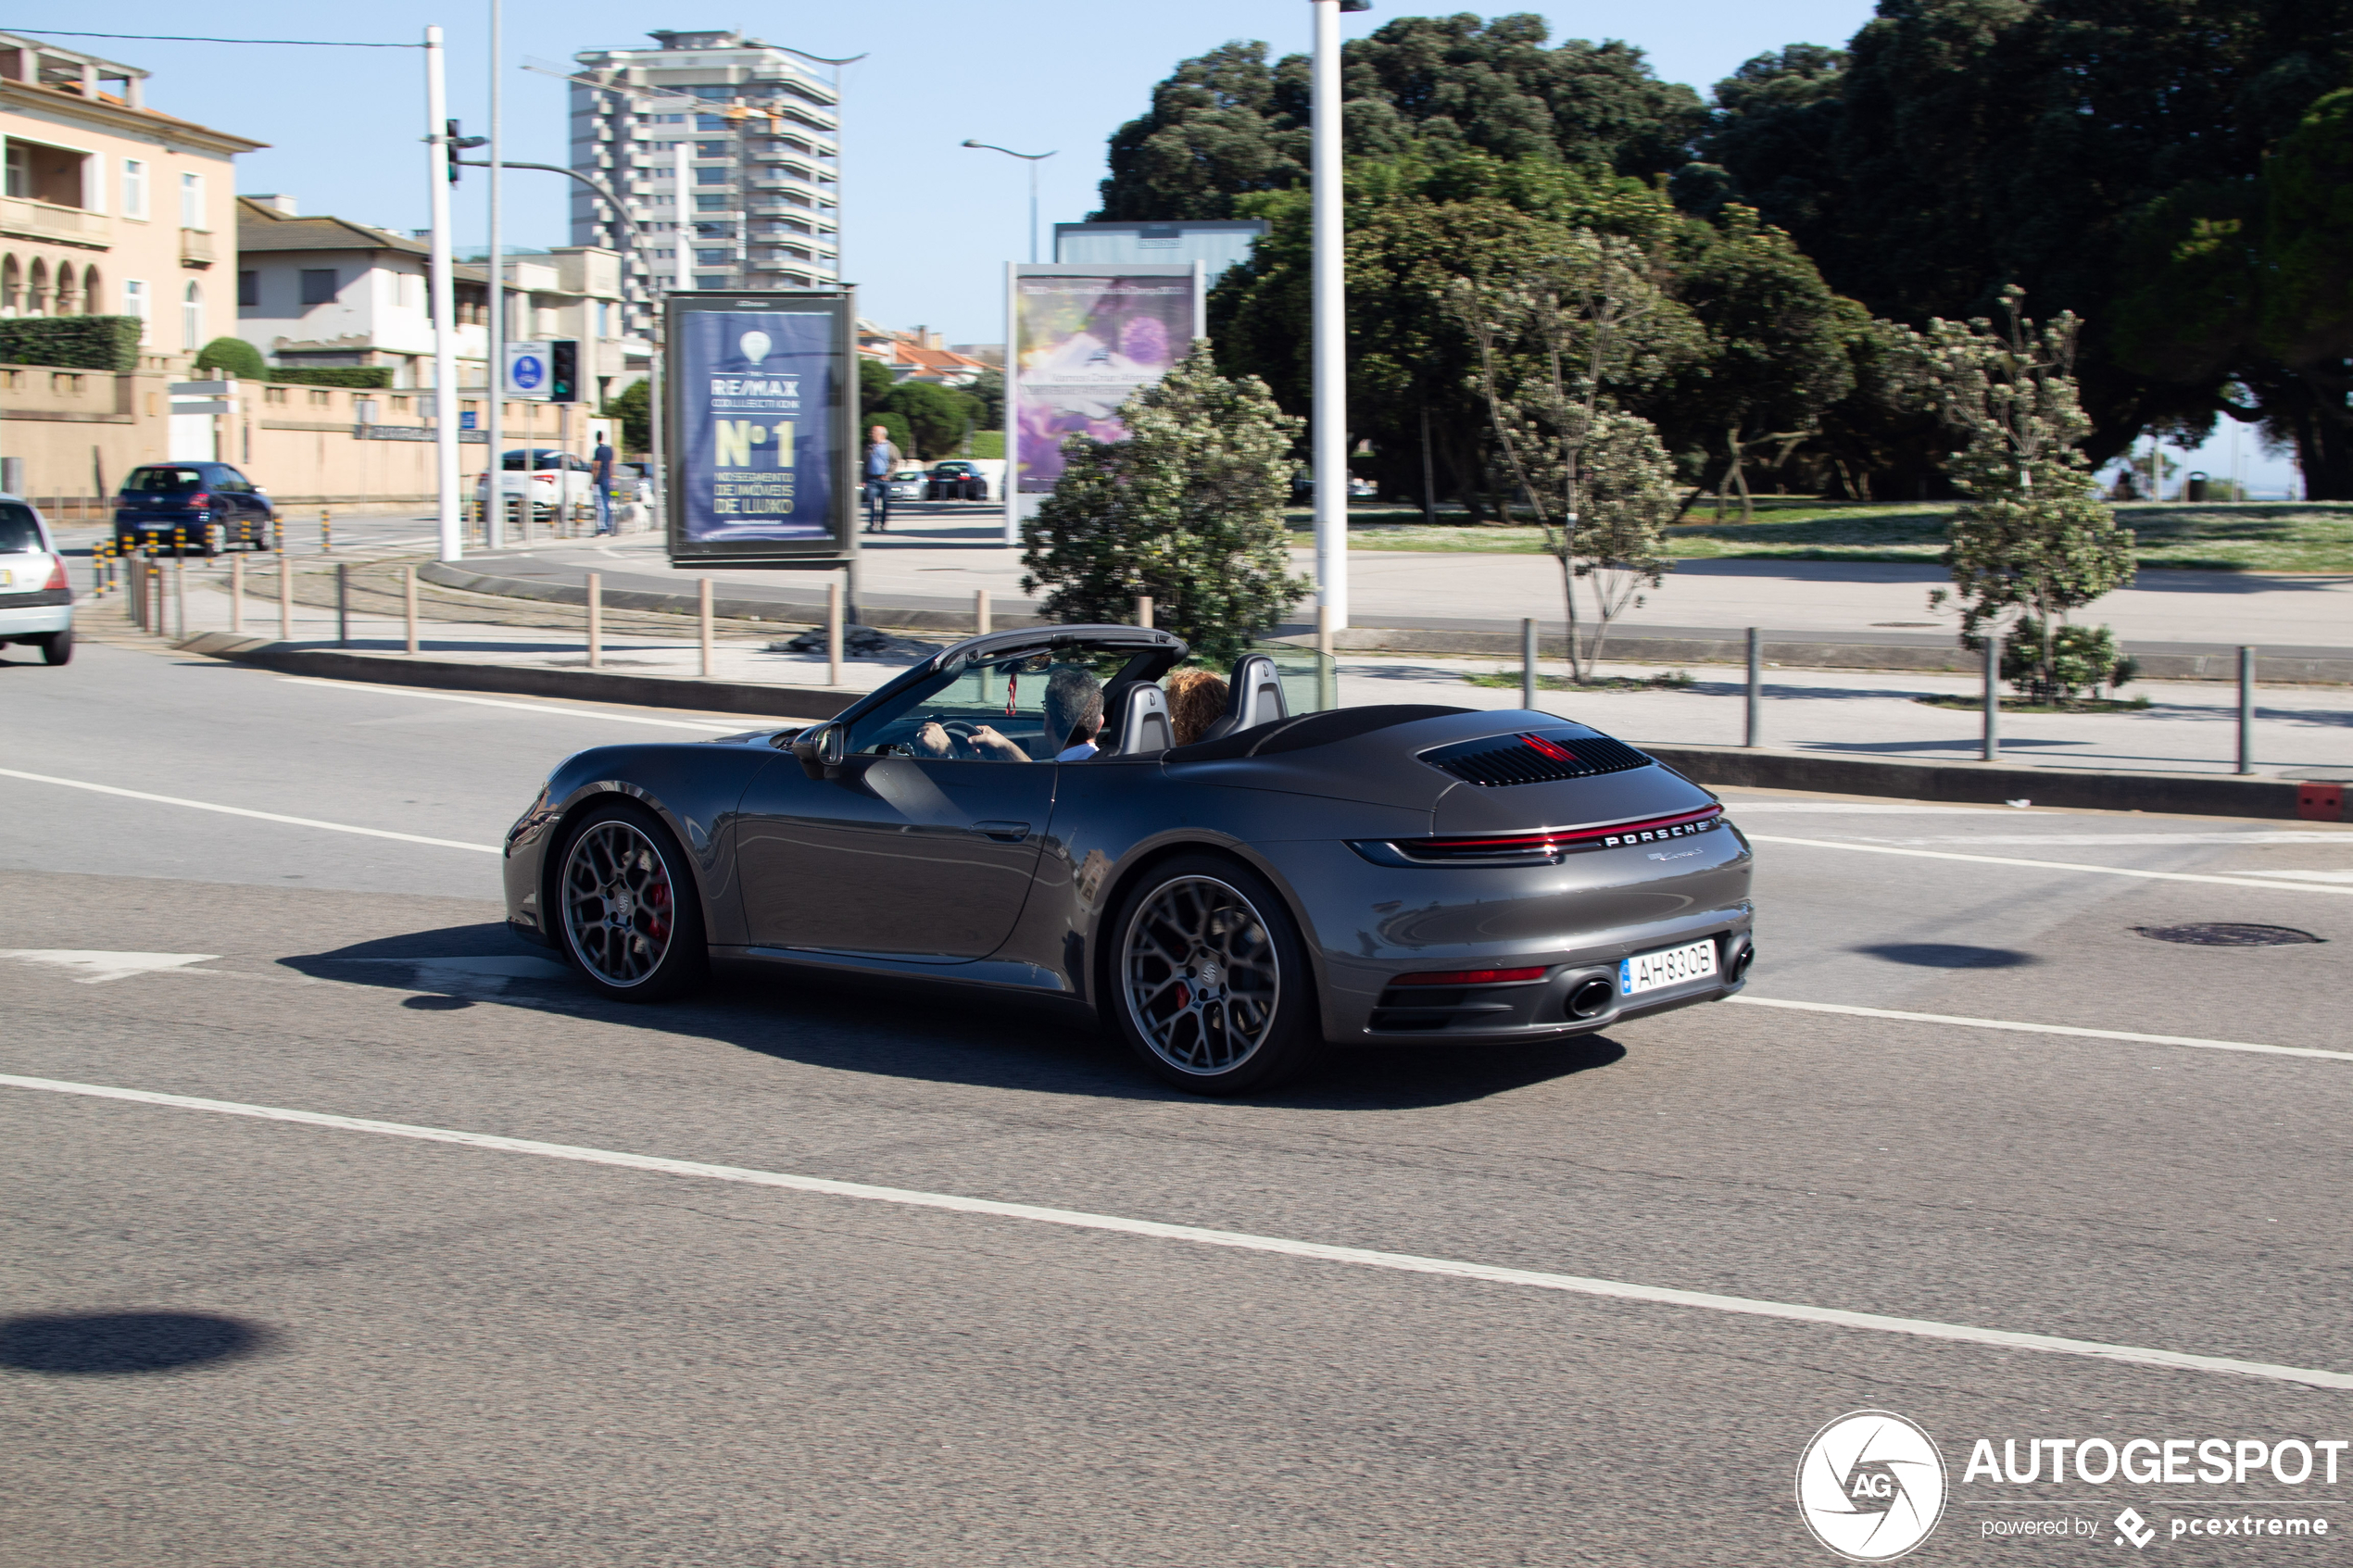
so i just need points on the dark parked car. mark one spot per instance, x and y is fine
(956, 481)
(1389, 874)
(211, 506)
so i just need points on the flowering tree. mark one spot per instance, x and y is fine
(2034, 539)
(1552, 339)
(1187, 508)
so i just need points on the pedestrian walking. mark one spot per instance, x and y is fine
(601, 462)
(883, 457)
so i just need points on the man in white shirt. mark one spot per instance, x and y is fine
(1074, 705)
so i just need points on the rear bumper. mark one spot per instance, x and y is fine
(20, 620)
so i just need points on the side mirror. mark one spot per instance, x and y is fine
(820, 747)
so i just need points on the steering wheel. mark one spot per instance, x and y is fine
(959, 731)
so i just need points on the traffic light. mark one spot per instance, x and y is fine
(563, 370)
(456, 143)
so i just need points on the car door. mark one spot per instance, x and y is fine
(233, 504)
(928, 859)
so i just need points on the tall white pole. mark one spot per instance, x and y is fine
(444, 294)
(682, 259)
(1330, 422)
(495, 526)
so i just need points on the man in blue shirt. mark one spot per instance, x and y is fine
(883, 459)
(600, 463)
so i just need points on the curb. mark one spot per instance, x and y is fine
(577, 685)
(2199, 794)
(773, 611)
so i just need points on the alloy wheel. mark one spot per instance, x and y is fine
(1201, 975)
(620, 909)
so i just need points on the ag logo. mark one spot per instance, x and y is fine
(1871, 1486)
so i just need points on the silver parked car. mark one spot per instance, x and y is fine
(36, 602)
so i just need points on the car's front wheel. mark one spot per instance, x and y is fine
(626, 906)
(1210, 984)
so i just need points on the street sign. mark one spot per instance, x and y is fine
(528, 361)
(466, 419)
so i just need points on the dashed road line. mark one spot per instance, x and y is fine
(2016, 1028)
(248, 811)
(2049, 865)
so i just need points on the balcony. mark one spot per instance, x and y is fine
(21, 218)
(196, 248)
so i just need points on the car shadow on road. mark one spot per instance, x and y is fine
(930, 1031)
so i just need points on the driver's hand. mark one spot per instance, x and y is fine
(991, 745)
(933, 741)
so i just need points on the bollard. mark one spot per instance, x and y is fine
(1527, 662)
(179, 595)
(139, 592)
(326, 530)
(237, 594)
(596, 619)
(1993, 696)
(1755, 688)
(1324, 629)
(285, 601)
(702, 614)
(833, 633)
(1144, 612)
(342, 607)
(2246, 710)
(278, 533)
(179, 543)
(408, 603)
(980, 612)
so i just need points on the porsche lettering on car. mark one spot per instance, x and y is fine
(1290, 878)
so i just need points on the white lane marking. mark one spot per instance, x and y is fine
(2046, 1028)
(2315, 876)
(1403, 1262)
(98, 965)
(2050, 865)
(244, 811)
(2339, 840)
(532, 706)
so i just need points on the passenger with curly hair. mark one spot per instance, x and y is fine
(1196, 700)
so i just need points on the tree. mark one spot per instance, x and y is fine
(1226, 125)
(2032, 537)
(634, 407)
(988, 389)
(1188, 509)
(1551, 339)
(937, 416)
(236, 355)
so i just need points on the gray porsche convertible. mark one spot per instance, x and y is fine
(1014, 814)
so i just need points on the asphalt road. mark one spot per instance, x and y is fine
(231, 1340)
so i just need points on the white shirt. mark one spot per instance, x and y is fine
(1079, 753)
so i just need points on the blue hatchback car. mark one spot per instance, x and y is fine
(207, 507)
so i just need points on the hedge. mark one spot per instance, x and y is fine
(79, 343)
(373, 377)
(233, 355)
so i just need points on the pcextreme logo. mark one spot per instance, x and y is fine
(1871, 1486)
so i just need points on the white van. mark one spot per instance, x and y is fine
(36, 602)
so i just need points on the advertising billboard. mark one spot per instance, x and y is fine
(758, 398)
(1079, 341)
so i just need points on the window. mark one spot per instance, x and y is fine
(1017, 707)
(248, 289)
(273, 394)
(191, 318)
(317, 286)
(713, 149)
(134, 302)
(713, 204)
(20, 170)
(322, 399)
(712, 176)
(191, 201)
(134, 187)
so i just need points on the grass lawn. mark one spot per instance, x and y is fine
(2253, 536)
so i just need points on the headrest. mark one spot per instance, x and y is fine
(1144, 728)
(1254, 696)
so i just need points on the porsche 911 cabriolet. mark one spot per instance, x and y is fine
(1014, 814)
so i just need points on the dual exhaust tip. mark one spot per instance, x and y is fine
(1595, 997)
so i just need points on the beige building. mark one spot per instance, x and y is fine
(112, 208)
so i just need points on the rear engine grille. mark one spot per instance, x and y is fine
(1535, 756)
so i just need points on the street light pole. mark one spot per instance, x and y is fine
(1033, 160)
(443, 294)
(494, 475)
(1330, 347)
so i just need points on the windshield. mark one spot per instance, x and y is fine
(18, 531)
(1020, 700)
(541, 458)
(163, 482)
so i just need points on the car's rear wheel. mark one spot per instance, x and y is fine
(57, 647)
(1210, 984)
(626, 906)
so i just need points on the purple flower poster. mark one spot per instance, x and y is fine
(1084, 340)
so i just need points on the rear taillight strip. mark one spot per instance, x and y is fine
(1530, 849)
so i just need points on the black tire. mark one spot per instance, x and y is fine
(57, 647)
(1236, 1010)
(626, 912)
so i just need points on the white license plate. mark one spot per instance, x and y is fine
(1648, 971)
(7, 577)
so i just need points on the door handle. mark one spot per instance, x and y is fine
(1003, 833)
